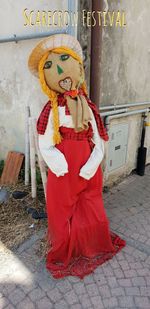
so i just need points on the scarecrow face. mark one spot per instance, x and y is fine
(62, 72)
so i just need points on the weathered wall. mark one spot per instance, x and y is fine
(17, 86)
(126, 73)
(126, 55)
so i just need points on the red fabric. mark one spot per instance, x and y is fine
(78, 228)
(71, 134)
(72, 93)
(43, 118)
(84, 135)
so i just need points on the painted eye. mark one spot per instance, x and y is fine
(47, 64)
(64, 57)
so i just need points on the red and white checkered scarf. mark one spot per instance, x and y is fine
(43, 118)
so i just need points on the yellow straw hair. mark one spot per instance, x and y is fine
(53, 98)
(52, 95)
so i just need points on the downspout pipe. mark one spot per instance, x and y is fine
(108, 118)
(96, 46)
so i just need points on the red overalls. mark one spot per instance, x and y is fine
(78, 228)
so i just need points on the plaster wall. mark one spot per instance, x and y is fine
(125, 73)
(17, 86)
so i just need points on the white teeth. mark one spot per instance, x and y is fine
(66, 83)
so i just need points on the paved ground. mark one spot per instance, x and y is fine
(123, 282)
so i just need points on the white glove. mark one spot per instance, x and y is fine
(90, 167)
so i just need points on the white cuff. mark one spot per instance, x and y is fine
(92, 164)
(54, 158)
(90, 167)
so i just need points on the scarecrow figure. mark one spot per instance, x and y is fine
(71, 141)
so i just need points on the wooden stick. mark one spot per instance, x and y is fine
(27, 147)
(40, 159)
(32, 160)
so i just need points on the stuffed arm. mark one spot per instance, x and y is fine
(53, 157)
(90, 167)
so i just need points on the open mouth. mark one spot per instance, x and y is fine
(66, 83)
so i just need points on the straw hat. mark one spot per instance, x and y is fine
(53, 41)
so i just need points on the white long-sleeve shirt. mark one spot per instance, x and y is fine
(56, 160)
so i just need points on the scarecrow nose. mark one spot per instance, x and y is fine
(59, 70)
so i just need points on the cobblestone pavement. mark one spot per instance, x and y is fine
(123, 282)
